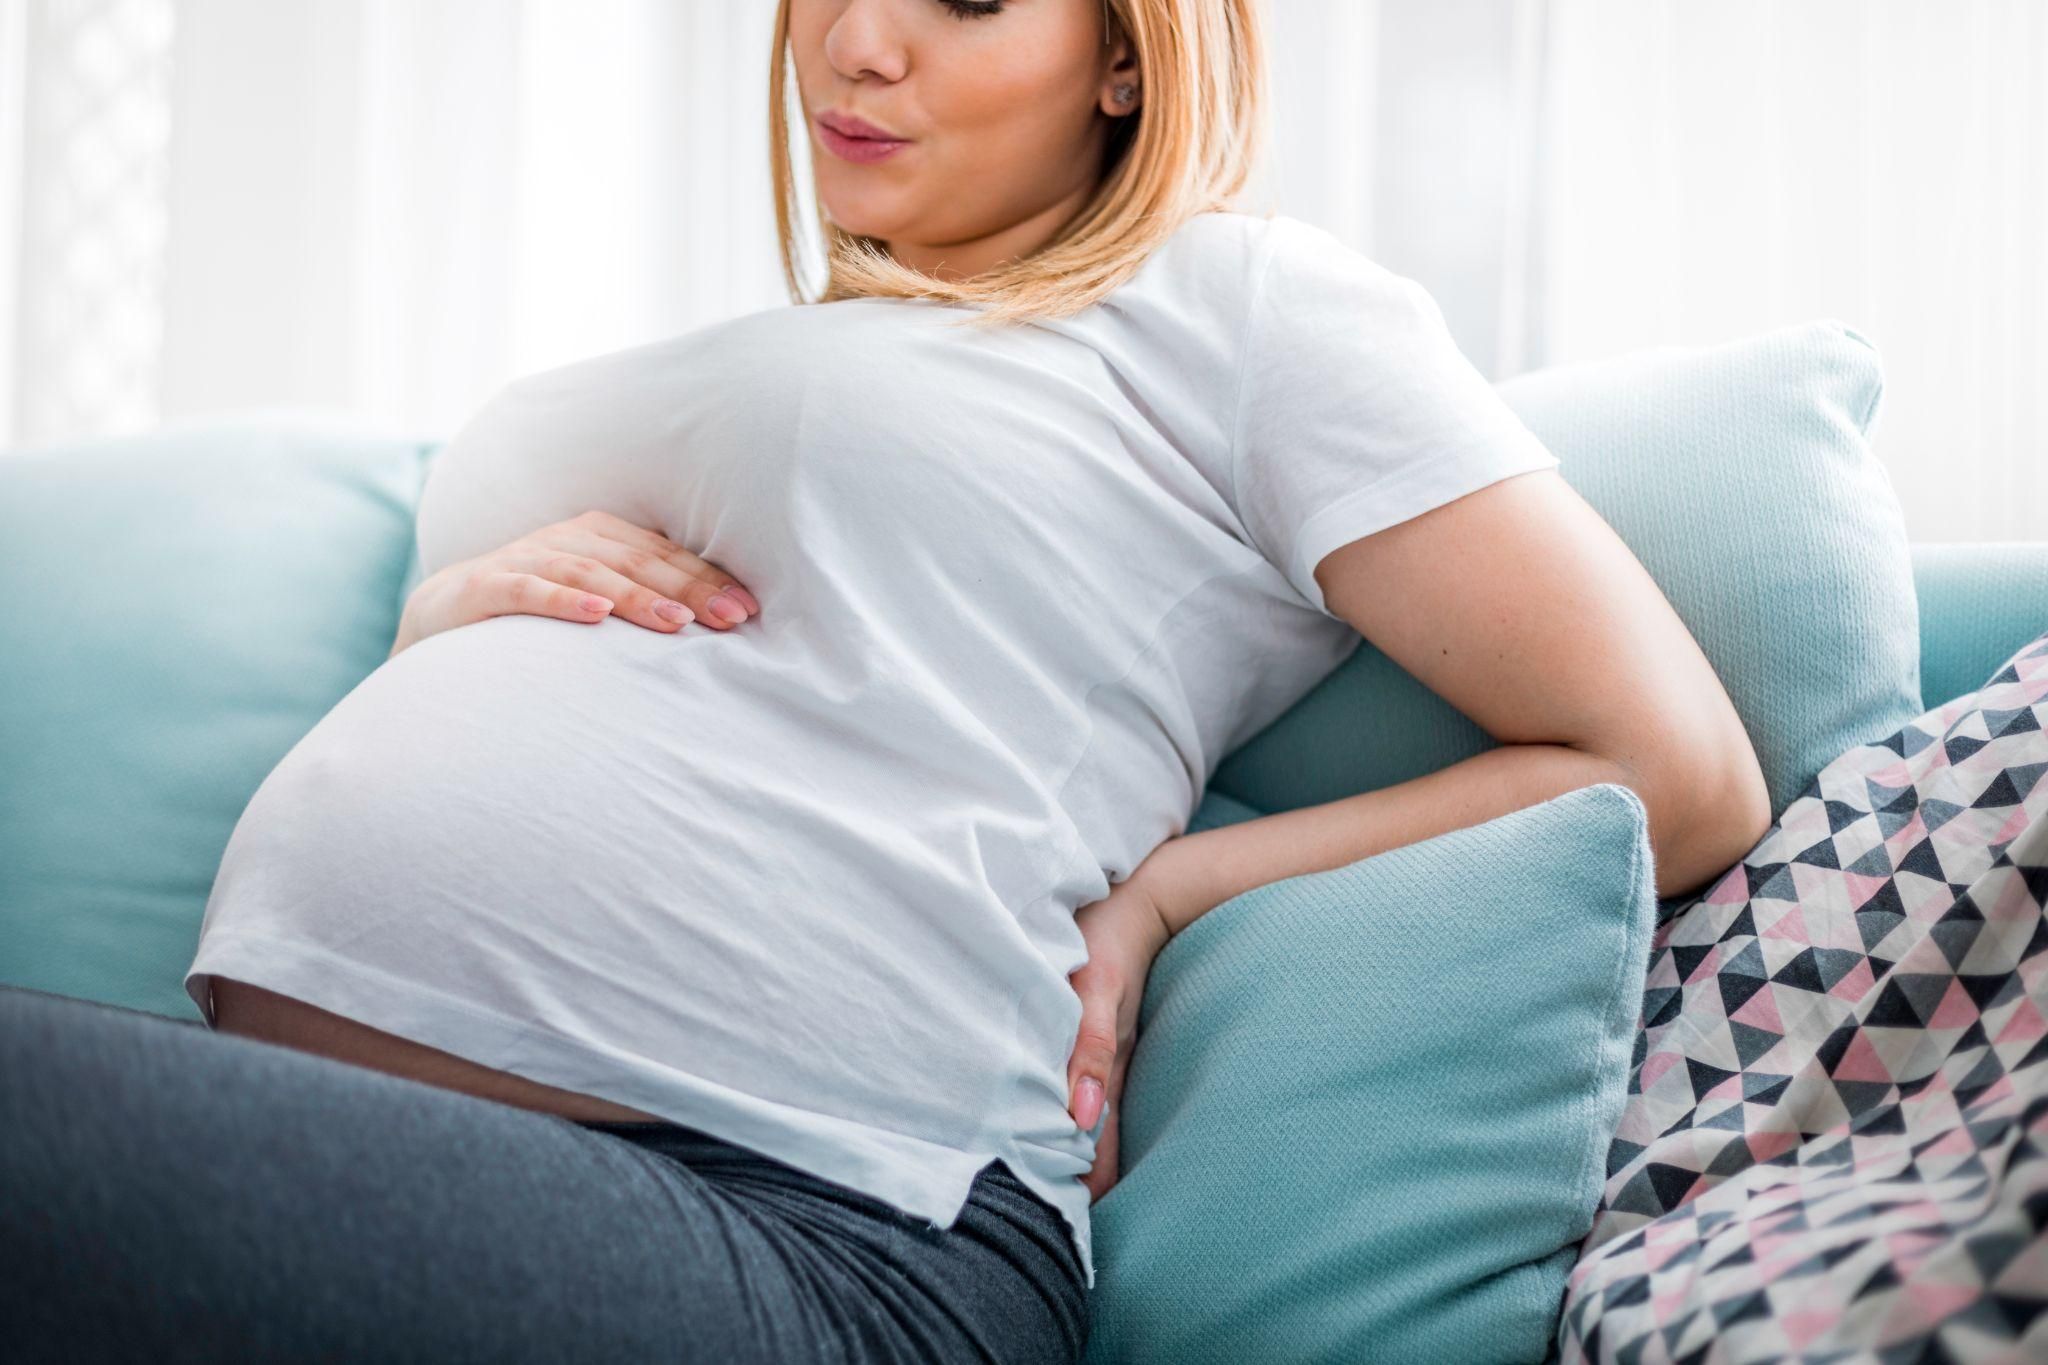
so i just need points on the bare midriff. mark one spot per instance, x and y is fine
(253, 1012)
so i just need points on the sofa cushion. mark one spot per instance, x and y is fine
(1368, 1110)
(1979, 601)
(176, 610)
(1741, 475)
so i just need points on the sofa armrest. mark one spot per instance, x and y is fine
(1979, 601)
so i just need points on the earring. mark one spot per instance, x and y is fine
(1124, 94)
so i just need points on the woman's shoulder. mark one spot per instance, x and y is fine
(1201, 275)
(1213, 242)
(1312, 258)
(1254, 236)
(1244, 256)
(1305, 276)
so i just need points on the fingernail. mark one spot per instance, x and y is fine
(674, 611)
(728, 609)
(746, 599)
(1088, 1101)
(592, 602)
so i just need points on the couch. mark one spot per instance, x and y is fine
(163, 684)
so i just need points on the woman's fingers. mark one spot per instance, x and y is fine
(1094, 1055)
(1102, 1050)
(584, 568)
(665, 568)
(663, 607)
(1088, 1097)
(653, 581)
(499, 592)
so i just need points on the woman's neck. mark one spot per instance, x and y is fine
(956, 261)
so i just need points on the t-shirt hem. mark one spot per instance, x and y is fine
(856, 1155)
(1408, 493)
(1066, 1193)
(1071, 1198)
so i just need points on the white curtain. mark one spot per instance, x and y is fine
(468, 190)
(1715, 169)
(389, 207)
(84, 130)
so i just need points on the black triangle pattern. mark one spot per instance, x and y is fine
(1835, 1144)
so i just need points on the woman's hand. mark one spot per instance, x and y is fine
(589, 567)
(1125, 931)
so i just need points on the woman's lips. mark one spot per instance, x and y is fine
(864, 150)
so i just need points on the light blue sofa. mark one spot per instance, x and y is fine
(195, 653)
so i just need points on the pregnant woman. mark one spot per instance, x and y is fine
(717, 932)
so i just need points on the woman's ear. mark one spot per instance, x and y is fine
(1122, 92)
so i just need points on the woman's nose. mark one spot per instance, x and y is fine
(867, 37)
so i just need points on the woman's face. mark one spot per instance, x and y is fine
(1006, 105)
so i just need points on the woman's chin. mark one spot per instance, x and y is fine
(863, 216)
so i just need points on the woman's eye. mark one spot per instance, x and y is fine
(968, 9)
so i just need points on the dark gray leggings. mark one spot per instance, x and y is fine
(170, 1193)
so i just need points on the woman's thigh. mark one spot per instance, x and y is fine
(173, 1193)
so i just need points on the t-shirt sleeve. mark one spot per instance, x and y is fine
(1356, 410)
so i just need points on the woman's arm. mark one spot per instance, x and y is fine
(1520, 606)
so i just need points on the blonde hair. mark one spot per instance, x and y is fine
(1190, 148)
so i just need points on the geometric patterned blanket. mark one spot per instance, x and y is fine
(1835, 1144)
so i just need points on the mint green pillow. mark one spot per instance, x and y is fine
(1368, 1110)
(176, 610)
(1741, 475)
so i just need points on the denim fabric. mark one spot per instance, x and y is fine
(172, 1193)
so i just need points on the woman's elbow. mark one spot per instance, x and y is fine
(1723, 812)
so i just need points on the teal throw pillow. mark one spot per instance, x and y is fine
(1368, 1110)
(176, 609)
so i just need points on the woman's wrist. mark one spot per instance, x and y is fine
(1172, 884)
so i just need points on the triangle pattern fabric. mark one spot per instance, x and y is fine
(1835, 1144)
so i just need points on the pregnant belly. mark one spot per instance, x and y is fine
(618, 863)
(250, 1011)
(533, 818)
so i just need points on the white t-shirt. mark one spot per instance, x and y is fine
(809, 885)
